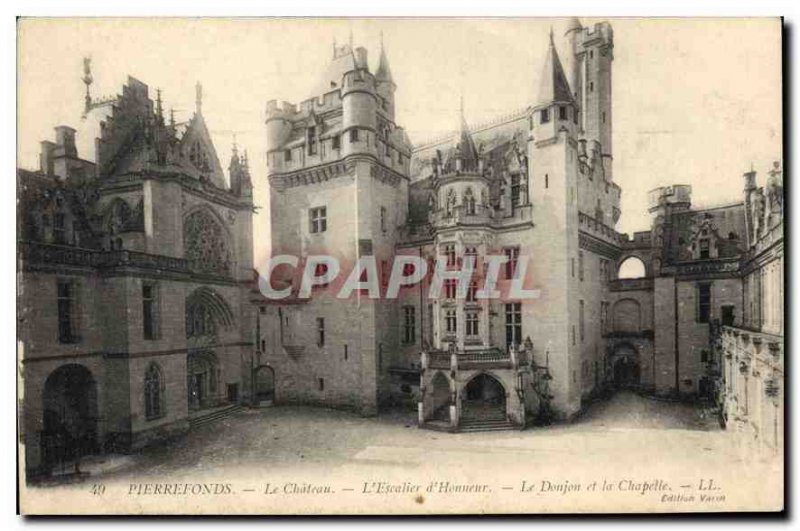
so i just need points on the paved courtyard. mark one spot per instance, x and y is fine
(625, 438)
(630, 428)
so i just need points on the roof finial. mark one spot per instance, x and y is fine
(198, 102)
(234, 147)
(551, 36)
(244, 160)
(381, 40)
(172, 117)
(87, 80)
(159, 108)
(351, 38)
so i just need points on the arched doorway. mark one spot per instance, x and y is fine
(70, 416)
(625, 367)
(202, 371)
(441, 398)
(265, 385)
(484, 398)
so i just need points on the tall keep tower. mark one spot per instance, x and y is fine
(590, 80)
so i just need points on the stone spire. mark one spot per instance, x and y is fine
(553, 84)
(384, 73)
(465, 150)
(198, 101)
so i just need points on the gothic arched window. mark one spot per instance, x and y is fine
(153, 392)
(469, 201)
(205, 244)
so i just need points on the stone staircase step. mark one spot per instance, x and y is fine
(215, 416)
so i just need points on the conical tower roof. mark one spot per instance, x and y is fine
(464, 144)
(384, 73)
(553, 84)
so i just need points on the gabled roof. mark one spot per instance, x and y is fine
(553, 84)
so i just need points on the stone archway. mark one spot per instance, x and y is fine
(441, 398)
(265, 385)
(69, 416)
(202, 375)
(484, 398)
(625, 367)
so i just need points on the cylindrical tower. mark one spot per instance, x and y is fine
(359, 107)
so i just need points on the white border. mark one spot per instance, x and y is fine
(297, 8)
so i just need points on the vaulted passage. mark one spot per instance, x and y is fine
(625, 366)
(70, 416)
(484, 398)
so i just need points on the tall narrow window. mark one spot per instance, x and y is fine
(150, 311)
(450, 288)
(320, 332)
(153, 395)
(514, 323)
(704, 249)
(287, 155)
(580, 265)
(581, 316)
(472, 322)
(383, 219)
(703, 302)
(337, 142)
(409, 325)
(318, 219)
(515, 187)
(353, 135)
(562, 112)
(311, 140)
(512, 254)
(545, 116)
(450, 254)
(67, 332)
(450, 322)
(472, 291)
(59, 229)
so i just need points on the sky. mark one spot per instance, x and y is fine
(695, 101)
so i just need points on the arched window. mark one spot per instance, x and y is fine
(153, 392)
(632, 268)
(469, 201)
(206, 244)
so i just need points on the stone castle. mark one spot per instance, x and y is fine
(140, 315)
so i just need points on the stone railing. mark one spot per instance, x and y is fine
(475, 359)
(730, 265)
(599, 229)
(631, 284)
(458, 215)
(34, 253)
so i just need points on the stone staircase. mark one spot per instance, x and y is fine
(484, 419)
(203, 418)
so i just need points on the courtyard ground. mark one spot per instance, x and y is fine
(627, 440)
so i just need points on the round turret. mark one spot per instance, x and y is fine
(359, 107)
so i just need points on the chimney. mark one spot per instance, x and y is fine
(46, 157)
(65, 141)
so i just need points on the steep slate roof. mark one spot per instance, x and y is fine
(553, 84)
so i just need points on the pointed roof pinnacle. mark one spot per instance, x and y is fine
(463, 141)
(384, 73)
(553, 85)
(198, 102)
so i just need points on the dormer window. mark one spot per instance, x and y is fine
(562, 112)
(704, 250)
(545, 116)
